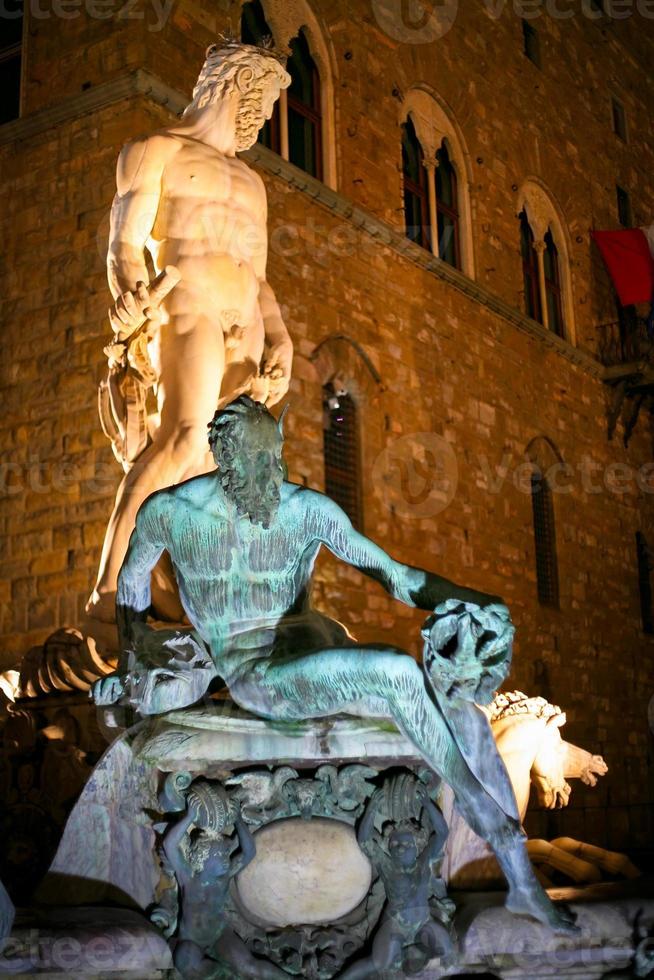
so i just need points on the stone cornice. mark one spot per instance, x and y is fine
(139, 82)
(142, 83)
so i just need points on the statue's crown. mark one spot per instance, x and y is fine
(228, 41)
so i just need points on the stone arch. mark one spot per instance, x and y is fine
(286, 19)
(341, 362)
(547, 461)
(339, 359)
(435, 123)
(543, 453)
(545, 214)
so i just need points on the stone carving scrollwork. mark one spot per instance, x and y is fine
(65, 663)
(214, 832)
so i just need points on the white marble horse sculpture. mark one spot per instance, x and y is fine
(528, 736)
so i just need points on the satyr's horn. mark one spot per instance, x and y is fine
(280, 423)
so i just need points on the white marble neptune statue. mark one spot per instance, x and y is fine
(187, 206)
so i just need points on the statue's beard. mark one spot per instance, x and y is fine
(256, 499)
(249, 120)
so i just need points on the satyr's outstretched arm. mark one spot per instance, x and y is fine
(410, 585)
(145, 548)
(439, 826)
(366, 833)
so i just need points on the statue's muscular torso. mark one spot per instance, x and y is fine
(210, 222)
(251, 578)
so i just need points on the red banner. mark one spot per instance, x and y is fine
(628, 258)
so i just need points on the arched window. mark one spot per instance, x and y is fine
(304, 112)
(416, 190)
(530, 270)
(341, 452)
(553, 286)
(645, 582)
(254, 28)
(547, 572)
(545, 249)
(295, 130)
(440, 186)
(447, 208)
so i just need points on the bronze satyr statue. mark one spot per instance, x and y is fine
(243, 542)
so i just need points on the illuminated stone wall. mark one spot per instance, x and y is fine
(455, 361)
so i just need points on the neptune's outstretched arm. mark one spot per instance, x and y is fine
(413, 586)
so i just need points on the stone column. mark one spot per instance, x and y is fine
(540, 247)
(430, 167)
(283, 123)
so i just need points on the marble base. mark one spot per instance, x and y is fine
(302, 784)
(99, 943)
(93, 943)
(213, 741)
(493, 941)
(224, 737)
(303, 780)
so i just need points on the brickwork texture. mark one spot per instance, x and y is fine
(460, 396)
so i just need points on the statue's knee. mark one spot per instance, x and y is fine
(403, 672)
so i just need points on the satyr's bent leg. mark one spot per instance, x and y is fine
(233, 950)
(382, 682)
(373, 682)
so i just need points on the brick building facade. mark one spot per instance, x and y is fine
(459, 394)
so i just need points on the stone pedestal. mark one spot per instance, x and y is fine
(175, 796)
(268, 837)
(94, 943)
(615, 921)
